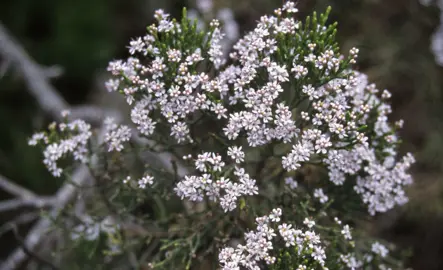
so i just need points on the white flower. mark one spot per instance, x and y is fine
(291, 182)
(215, 51)
(346, 232)
(136, 45)
(319, 255)
(37, 137)
(180, 131)
(309, 222)
(300, 152)
(299, 71)
(174, 55)
(127, 180)
(275, 215)
(290, 7)
(116, 136)
(320, 195)
(146, 180)
(236, 153)
(112, 85)
(75, 143)
(379, 249)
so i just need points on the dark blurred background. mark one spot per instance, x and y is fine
(82, 36)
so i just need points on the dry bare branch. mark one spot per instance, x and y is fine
(63, 196)
(17, 221)
(14, 189)
(52, 103)
(52, 71)
(35, 78)
(16, 203)
(93, 114)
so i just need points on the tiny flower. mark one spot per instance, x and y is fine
(320, 195)
(236, 153)
(346, 232)
(65, 113)
(275, 215)
(291, 182)
(379, 249)
(289, 7)
(174, 55)
(146, 180)
(127, 180)
(309, 222)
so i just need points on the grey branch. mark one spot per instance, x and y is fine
(93, 114)
(20, 220)
(33, 75)
(52, 103)
(63, 196)
(52, 71)
(14, 189)
(38, 202)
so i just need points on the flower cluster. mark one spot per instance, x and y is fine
(148, 86)
(91, 230)
(350, 106)
(115, 135)
(65, 138)
(142, 183)
(379, 249)
(320, 195)
(259, 244)
(353, 261)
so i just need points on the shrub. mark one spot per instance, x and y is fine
(275, 152)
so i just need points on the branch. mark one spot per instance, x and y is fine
(52, 103)
(21, 219)
(31, 253)
(63, 196)
(15, 189)
(37, 202)
(49, 72)
(93, 114)
(36, 79)
(52, 71)
(33, 75)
